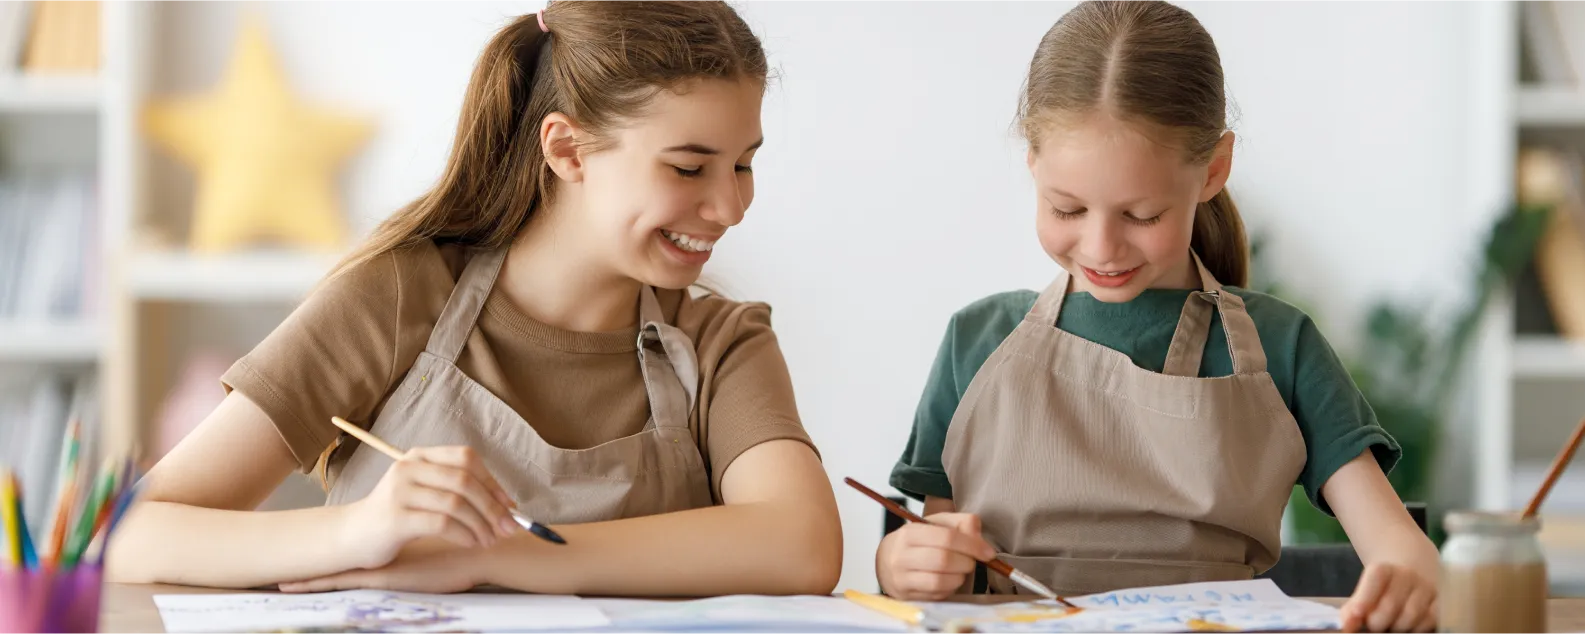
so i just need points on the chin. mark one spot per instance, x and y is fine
(1115, 295)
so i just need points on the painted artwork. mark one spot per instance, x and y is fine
(1228, 606)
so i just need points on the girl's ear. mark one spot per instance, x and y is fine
(1029, 159)
(558, 135)
(1221, 167)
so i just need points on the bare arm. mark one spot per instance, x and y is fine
(194, 523)
(1398, 590)
(776, 533)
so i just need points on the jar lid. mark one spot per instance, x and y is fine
(1489, 522)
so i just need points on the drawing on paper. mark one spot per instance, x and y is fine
(389, 611)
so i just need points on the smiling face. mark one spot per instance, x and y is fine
(672, 181)
(1116, 207)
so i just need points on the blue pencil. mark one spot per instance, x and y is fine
(30, 557)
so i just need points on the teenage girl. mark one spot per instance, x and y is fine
(1139, 423)
(524, 331)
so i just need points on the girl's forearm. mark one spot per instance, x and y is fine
(165, 542)
(757, 548)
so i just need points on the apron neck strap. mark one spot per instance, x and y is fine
(1049, 306)
(461, 313)
(671, 369)
(1194, 328)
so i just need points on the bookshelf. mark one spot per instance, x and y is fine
(1531, 381)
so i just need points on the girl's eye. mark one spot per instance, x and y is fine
(1066, 214)
(688, 172)
(1145, 222)
(745, 168)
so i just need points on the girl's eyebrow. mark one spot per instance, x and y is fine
(696, 148)
(1068, 195)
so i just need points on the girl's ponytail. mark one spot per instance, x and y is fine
(1220, 241)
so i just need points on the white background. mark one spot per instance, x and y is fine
(891, 190)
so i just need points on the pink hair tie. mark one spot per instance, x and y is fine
(541, 17)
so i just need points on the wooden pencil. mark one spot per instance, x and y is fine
(542, 531)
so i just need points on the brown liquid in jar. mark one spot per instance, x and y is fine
(1494, 597)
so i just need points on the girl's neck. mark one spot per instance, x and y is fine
(551, 276)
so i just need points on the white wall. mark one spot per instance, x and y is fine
(891, 187)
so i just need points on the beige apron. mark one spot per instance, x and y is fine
(1094, 474)
(657, 470)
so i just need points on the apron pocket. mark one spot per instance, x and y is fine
(1073, 576)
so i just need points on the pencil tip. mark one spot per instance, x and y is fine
(544, 532)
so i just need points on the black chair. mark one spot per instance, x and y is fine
(1312, 570)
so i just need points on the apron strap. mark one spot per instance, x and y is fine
(671, 371)
(1194, 328)
(461, 313)
(1049, 306)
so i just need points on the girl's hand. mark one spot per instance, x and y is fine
(930, 562)
(424, 565)
(442, 492)
(1391, 598)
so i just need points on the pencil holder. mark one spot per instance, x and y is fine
(48, 600)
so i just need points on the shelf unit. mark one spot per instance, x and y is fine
(1530, 388)
(51, 120)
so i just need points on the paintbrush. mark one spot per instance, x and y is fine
(541, 530)
(1001, 567)
(1552, 474)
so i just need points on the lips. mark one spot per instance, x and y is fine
(1109, 279)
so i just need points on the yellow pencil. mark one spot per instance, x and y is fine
(905, 612)
(9, 522)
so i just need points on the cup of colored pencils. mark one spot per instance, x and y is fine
(50, 580)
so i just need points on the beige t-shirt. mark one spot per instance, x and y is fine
(349, 345)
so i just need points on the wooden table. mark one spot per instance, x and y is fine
(130, 608)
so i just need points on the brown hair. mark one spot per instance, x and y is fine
(600, 64)
(1152, 63)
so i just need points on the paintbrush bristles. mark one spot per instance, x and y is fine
(1552, 474)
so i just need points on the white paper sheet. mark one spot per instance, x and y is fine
(748, 613)
(1237, 605)
(375, 610)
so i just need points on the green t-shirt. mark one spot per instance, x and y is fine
(1334, 419)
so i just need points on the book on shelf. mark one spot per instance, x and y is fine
(1556, 177)
(1551, 57)
(63, 38)
(49, 234)
(14, 20)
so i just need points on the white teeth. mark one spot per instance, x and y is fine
(687, 242)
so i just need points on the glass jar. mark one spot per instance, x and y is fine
(1493, 574)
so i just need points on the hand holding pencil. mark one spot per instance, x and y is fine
(441, 492)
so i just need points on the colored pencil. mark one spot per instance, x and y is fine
(1552, 474)
(1001, 567)
(542, 531)
(66, 495)
(85, 522)
(30, 556)
(905, 612)
(13, 539)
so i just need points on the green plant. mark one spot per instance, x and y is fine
(1408, 367)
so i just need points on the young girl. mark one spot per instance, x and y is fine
(1139, 423)
(523, 331)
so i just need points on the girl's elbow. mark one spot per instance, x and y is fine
(819, 562)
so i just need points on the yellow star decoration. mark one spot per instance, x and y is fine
(265, 162)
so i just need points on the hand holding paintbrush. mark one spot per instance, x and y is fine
(996, 565)
(428, 498)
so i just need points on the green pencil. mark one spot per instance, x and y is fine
(85, 522)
